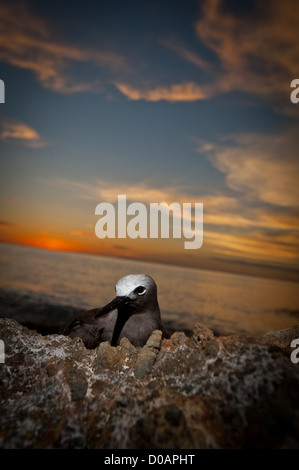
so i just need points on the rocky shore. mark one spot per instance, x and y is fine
(181, 393)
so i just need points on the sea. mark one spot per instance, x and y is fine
(45, 287)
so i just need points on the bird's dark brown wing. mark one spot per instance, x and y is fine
(90, 326)
(76, 323)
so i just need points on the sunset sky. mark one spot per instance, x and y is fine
(164, 101)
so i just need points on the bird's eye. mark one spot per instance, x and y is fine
(140, 290)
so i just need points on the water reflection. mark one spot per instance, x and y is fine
(225, 302)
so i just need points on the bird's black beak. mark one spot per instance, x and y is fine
(115, 303)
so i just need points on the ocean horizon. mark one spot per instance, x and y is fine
(39, 286)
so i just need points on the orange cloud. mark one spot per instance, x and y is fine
(82, 233)
(186, 54)
(286, 220)
(27, 42)
(260, 246)
(21, 133)
(103, 190)
(247, 218)
(233, 227)
(219, 209)
(256, 56)
(174, 93)
(253, 165)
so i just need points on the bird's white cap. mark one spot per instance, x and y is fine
(126, 285)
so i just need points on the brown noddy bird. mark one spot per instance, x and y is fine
(134, 314)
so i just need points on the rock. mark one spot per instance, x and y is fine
(202, 334)
(282, 338)
(178, 393)
(148, 355)
(154, 341)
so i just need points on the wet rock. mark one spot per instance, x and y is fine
(177, 393)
